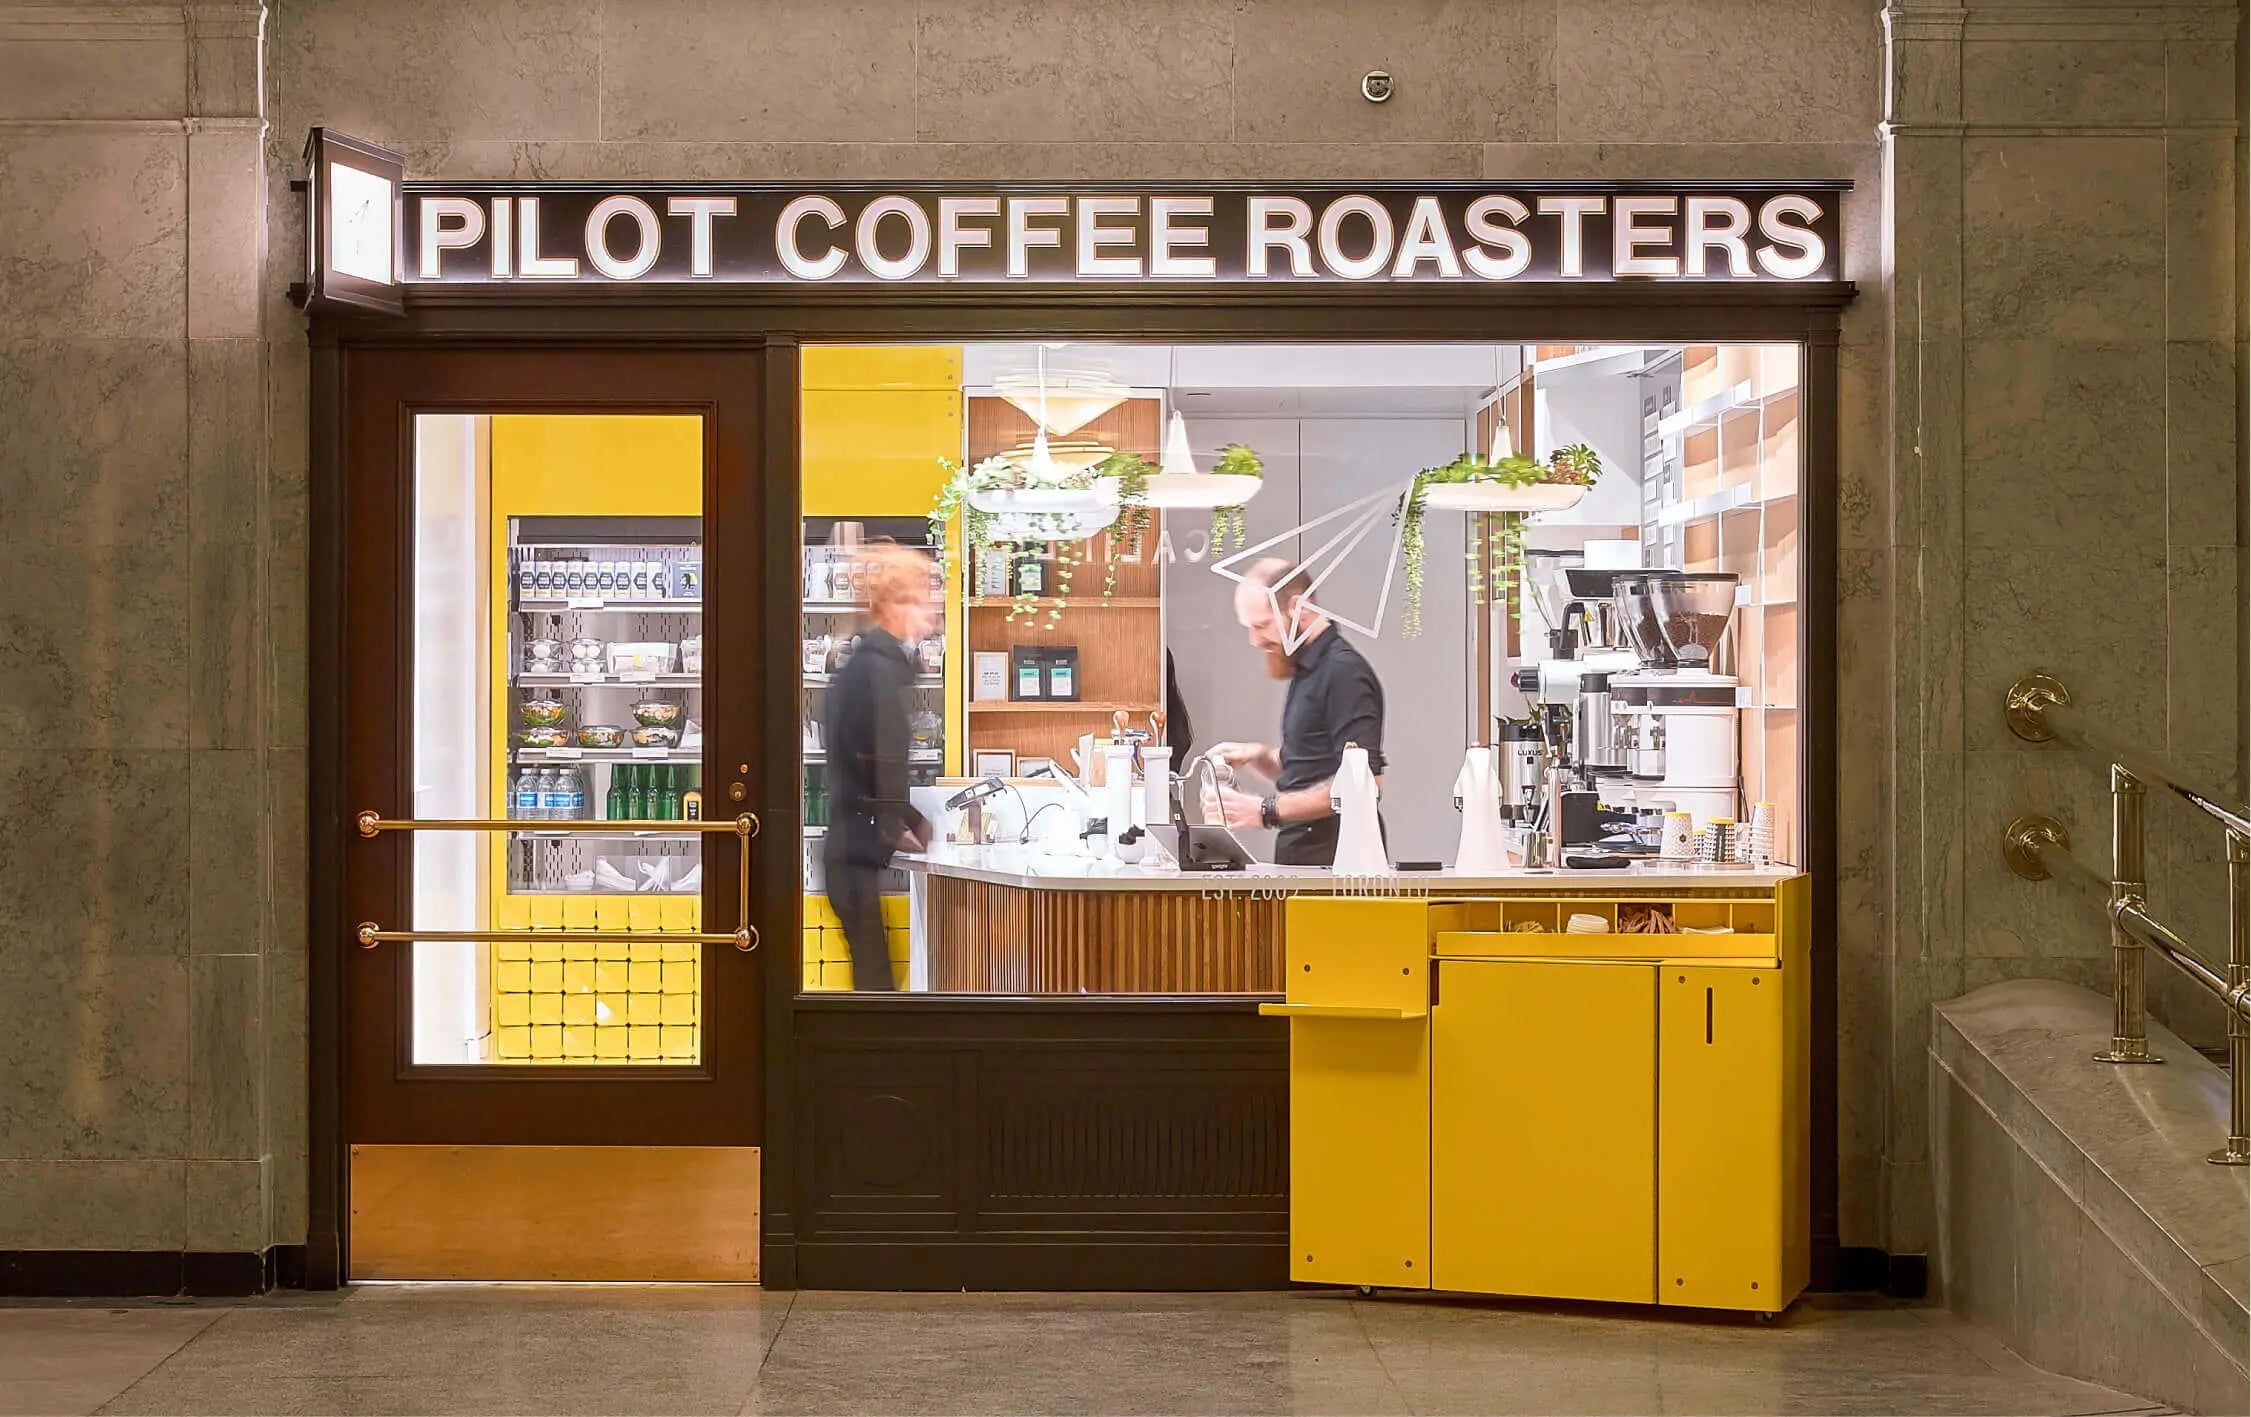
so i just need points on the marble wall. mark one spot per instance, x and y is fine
(159, 486)
(2065, 355)
(147, 776)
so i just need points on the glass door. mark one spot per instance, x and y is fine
(550, 1005)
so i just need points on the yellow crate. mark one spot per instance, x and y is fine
(682, 951)
(578, 912)
(679, 913)
(812, 935)
(547, 912)
(547, 976)
(578, 976)
(609, 1009)
(579, 950)
(578, 1040)
(645, 978)
(680, 978)
(835, 949)
(677, 1008)
(547, 1041)
(618, 950)
(547, 951)
(812, 974)
(612, 976)
(578, 1009)
(680, 1043)
(513, 1043)
(901, 944)
(644, 1008)
(511, 951)
(610, 912)
(895, 911)
(645, 1042)
(645, 913)
(611, 1042)
(512, 1011)
(818, 912)
(546, 1008)
(511, 978)
(640, 953)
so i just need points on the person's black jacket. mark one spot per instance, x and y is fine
(867, 736)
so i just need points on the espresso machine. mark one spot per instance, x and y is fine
(1676, 708)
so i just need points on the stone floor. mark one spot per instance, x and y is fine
(634, 1349)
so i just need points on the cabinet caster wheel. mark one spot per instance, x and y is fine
(1767, 1316)
(1366, 1291)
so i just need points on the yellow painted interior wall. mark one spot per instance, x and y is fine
(876, 420)
(566, 1002)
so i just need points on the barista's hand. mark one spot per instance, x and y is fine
(912, 841)
(1240, 810)
(1258, 757)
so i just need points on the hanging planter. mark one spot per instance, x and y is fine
(1508, 485)
(1176, 485)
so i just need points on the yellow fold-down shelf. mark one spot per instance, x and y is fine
(1559, 945)
(1339, 1011)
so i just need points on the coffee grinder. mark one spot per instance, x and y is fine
(1692, 707)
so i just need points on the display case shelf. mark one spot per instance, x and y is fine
(921, 681)
(536, 832)
(1076, 602)
(1052, 706)
(609, 607)
(613, 681)
(607, 755)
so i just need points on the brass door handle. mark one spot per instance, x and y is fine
(745, 938)
(742, 827)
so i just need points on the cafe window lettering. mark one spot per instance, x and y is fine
(1111, 649)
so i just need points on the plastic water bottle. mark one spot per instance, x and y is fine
(554, 797)
(523, 803)
(574, 794)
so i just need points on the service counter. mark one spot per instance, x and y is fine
(1564, 1085)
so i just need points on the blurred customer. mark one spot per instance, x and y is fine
(866, 731)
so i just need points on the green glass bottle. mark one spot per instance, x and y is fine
(613, 807)
(636, 793)
(668, 800)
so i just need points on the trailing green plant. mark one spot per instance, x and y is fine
(1496, 559)
(1235, 460)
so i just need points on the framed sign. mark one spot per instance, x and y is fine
(351, 224)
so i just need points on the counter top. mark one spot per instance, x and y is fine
(1034, 870)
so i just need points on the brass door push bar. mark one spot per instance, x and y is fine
(743, 937)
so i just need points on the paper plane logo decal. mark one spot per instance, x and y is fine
(1359, 518)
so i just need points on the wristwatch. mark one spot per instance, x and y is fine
(1267, 816)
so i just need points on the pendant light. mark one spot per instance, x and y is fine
(1052, 513)
(1177, 486)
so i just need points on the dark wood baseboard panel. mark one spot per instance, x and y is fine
(1014, 1143)
(1160, 1266)
(149, 1274)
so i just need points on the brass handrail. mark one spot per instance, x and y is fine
(2039, 710)
(743, 827)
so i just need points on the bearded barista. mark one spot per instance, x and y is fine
(1333, 700)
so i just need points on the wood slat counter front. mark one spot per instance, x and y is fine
(1003, 920)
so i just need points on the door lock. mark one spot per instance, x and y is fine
(736, 792)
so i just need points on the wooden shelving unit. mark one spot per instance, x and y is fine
(1120, 639)
(1727, 500)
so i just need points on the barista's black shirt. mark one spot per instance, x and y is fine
(1334, 699)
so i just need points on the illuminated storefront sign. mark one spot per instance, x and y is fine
(1183, 235)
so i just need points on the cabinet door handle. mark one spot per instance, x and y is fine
(1707, 1015)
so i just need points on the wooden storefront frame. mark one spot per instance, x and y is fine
(778, 321)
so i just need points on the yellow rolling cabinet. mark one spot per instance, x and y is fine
(1359, 1008)
(1620, 1115)
(1733, 1152)
(1543, 1154)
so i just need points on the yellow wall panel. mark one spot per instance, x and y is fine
(1543, 1129)
(875, 453)
(881, 366)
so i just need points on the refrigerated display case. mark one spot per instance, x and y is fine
(596, 715)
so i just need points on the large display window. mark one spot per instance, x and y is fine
(1575, 564)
